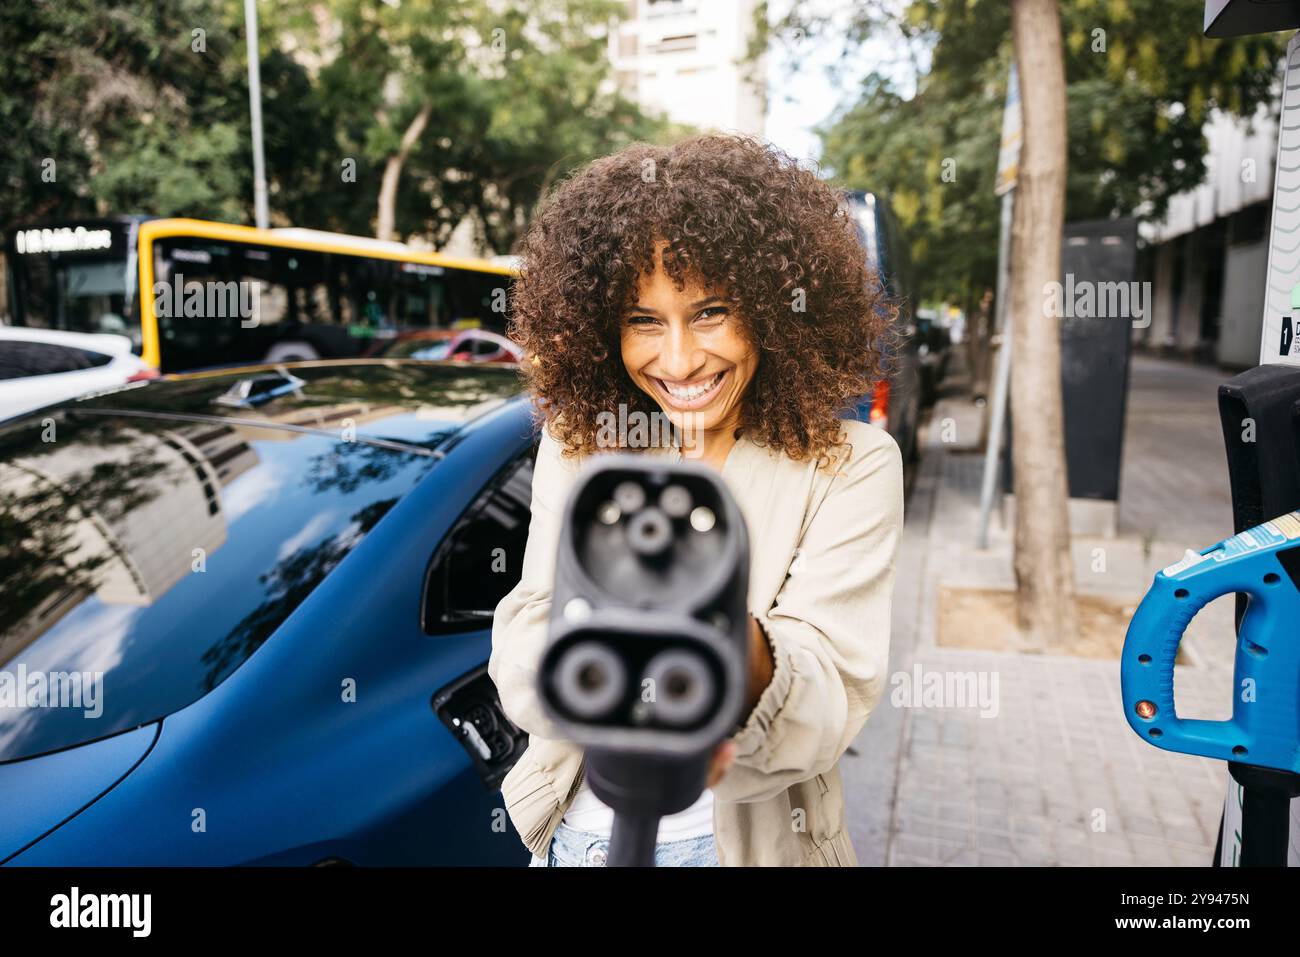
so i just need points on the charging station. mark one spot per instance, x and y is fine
(1259, 412)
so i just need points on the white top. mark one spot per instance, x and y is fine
(589, 813)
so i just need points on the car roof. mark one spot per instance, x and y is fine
(105, 342)
(411, 403)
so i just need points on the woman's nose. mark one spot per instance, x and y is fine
(681, 356)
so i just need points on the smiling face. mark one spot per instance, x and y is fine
(687, 350)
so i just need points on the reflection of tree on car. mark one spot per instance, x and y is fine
(287, 584)
(43, 510)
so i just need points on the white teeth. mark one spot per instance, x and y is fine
(696, 391)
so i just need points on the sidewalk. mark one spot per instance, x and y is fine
(1056, 776)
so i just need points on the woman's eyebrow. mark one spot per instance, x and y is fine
(695, 305)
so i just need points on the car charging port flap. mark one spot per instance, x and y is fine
(471, 710)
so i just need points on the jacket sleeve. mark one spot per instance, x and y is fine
(828, 631)
(520, 622)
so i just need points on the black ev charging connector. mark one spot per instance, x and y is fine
(647, 656)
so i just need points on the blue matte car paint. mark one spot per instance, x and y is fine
(41, 793)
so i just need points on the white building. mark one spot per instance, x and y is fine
(1208, 257)
(685, 58)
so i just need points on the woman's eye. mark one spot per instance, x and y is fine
(639, 320)
(713, 312)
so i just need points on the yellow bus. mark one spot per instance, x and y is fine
(194, 294)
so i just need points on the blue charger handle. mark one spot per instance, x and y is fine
(1264, 729)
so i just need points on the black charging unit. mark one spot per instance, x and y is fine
(647, 654)
(1259, 411)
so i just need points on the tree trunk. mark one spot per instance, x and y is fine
(979, 323)
(393, 173)
(1044, 568)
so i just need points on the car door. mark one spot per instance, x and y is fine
(477, 563)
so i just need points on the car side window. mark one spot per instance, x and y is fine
(21, 359)
(482, 556)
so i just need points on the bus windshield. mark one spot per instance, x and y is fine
(77, 281)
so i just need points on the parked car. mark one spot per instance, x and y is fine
(267, 593)
(934, 349)
(464, 345)
(41, 366)
(895, 403)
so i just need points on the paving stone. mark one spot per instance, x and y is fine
(944, 785)
(1033, 852)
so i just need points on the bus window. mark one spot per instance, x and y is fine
(217, 302)
(92, 297)
(422, 300)
(306, 273)
(340, 285)
(478, 300)
(267, 277)
(300, 277)
(78, 281)
(373, 291)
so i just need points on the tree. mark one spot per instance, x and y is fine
(1044, 566)
(404, 117)
(472, 108)
(114, 107)
(1112, 126)
(1141, 81)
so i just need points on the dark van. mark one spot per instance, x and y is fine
(895, 403)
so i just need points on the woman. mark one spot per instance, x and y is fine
(719, 286)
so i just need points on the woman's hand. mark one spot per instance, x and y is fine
(760, 675)
(760, 665)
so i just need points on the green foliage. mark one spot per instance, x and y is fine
(517, 100)
(137, 120)
(1141, 81)
(142, 108)
(143, 170)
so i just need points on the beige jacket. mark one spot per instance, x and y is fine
(822, 555)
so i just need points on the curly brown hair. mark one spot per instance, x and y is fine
(743, 217)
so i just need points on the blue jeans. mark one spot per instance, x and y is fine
(572, 848)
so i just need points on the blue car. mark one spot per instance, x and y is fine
(245, 618)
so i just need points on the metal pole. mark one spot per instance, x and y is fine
(255, 107)
(1001, 376)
